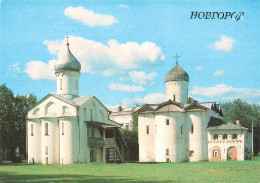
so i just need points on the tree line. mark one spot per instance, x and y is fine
(13, 111)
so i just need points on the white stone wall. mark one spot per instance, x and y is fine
(170, 137)
(179, 89)
(51, 141)
(34, 141)
(198, 139)
(225, 144)
(70, 83)
(69, 141)
(146, 141)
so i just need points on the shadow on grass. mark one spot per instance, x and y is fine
(12, 177)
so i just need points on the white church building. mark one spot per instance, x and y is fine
(182, 129)
(66, 128)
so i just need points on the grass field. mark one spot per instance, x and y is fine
(246, 171)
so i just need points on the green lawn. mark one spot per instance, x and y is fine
(246, 171)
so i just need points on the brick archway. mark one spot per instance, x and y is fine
(216, 153)
(232, 154)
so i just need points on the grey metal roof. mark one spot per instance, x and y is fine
(64, 99)
(177, 74)
(228, 126)
(81, 100)
(68, 63)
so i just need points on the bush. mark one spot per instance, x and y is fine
(250, 156)
(258, 154)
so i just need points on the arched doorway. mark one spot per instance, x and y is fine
(216, 153)
(93, 156)
(232, 154)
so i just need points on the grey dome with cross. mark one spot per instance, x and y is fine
(177, 73)
(68, 62)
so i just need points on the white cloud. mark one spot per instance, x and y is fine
(126, 88)
(219, 73)
(111, 59)
(153, 98)
(226, 92)
(108, 59)
(140, 77)
(199, 68)
(39, 70)
(226, 44)
(88, 17)
(123, 6)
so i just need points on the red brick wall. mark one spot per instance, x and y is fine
(232, 153)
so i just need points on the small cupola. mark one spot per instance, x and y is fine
(177, 74)
(67, 62)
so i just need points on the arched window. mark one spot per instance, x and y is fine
(47, 107)
(215, 136)
(224, 136)
(234, 136)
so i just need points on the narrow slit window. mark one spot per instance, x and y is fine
(62, 128)
(60, 84)
(174, 97)
(147, 129)
(167, 122)
(91, 114)
(181, 129)
(31, 129)
(191, 153)
(46, 150)
(167, 152)
(192, 128)
(46, 129)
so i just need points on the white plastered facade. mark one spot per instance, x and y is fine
(65, 139)
(176, 130)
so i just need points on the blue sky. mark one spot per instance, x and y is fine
(127, 47)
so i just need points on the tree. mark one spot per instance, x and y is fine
(13, 111)
(131, 139)
(245, 113)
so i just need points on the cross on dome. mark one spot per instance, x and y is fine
(67, 37)
(176, 58)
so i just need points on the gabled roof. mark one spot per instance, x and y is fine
(195, 106)
(147, 107)
(81, 100)
(228, 126)
(169, 102)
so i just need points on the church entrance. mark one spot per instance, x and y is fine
(216, 154)
(93, 156)
(232, 154)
